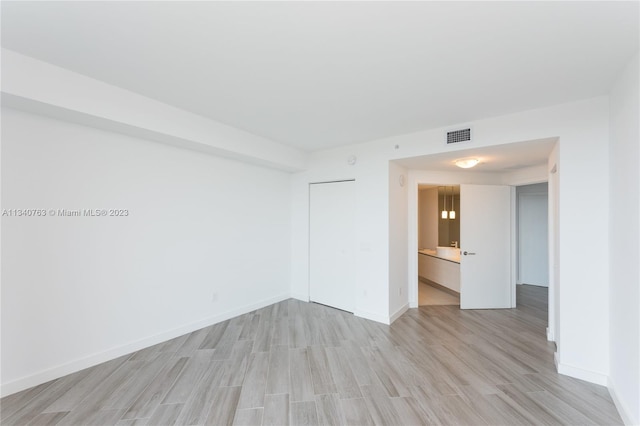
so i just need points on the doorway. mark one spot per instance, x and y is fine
(513, 164)
(532, 254)
(438, 227)
(480, 274)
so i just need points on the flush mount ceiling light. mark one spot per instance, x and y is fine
(466, 163)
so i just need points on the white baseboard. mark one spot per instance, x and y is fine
(300, 296)
(579, 373)
(382, 318)
(372, 316)
(624, 412)
(397, 314)
(94, 359)
(550, 336)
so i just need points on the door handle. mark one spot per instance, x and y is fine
(466, 253)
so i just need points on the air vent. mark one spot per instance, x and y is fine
(457, 136)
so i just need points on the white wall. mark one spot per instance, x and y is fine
(372, 222)
(398, 232)
(36, 86)
(624, 202)
(582, 129)
(206, 239)
(526, 176)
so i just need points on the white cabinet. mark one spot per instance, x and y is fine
(440, 271)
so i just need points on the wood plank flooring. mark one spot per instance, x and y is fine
(305, 364)
(430, 295)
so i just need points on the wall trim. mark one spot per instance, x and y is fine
(372, 316)
(397, 314)
(98, 358)
(550, 336)
(381, 318)
(301, 297)
(579, 373)
(622, 409)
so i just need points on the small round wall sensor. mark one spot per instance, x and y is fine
(351, 160)
(401, 179)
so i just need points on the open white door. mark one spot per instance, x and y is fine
(332, 271)
(485, 232)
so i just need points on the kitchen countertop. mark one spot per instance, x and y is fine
(432, 253)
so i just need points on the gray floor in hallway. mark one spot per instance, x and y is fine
(299, 363)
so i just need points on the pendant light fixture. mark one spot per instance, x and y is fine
(452, 212)
(444, 199)
(466, 163)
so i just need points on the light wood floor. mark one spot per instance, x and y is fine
(429, 295)
(299, 363)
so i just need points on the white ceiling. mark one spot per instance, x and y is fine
(320, 74)
(493, 159)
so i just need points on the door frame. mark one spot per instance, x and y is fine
(412, 236)
(309, 242)
(519, 199)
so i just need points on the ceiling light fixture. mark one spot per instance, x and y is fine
(466, 163)
(452, 212)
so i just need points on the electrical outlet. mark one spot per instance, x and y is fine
(214, 297)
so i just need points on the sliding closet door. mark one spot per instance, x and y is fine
(332, 271)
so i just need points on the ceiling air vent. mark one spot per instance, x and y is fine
(456, 136)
